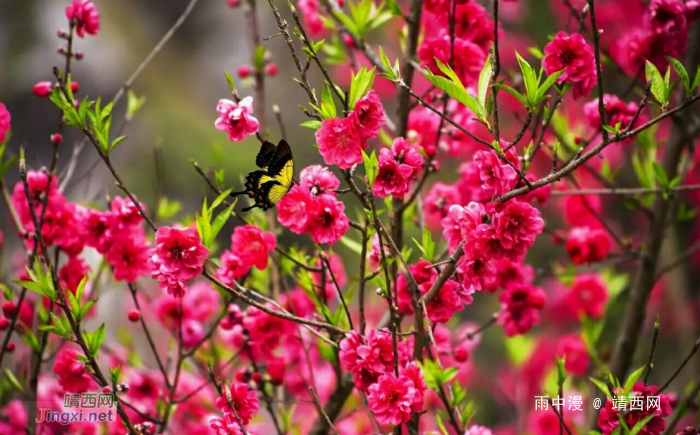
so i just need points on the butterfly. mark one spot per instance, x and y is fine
(269, 185)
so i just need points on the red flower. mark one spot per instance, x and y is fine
(253, 245)
(520, 306)
(236, 119)
(393, 399)
(516, 227)
(244, 400)
(497, 177)
(367, 358)
(439, 199)
(587, 296)
(666, 17)
(469, 57)
(571, 54)
(71, 372)
(327, 221)
(340, 143)
(84, 16)
(178, 257)
(318, 180)
(398, 167)
(70, 275)
(445, 303)
(95, 227)
(609, 417)
(232, 268)
(460, 225)
(128, 256)
(616, 111)
(368, 115)
(587, 245)
(4, 122)
(293, 209)
(571, 347)
(227, 425)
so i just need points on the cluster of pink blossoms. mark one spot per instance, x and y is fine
(5, 119)
(473, 33)
(574, 56)
(497, 232)
(236, 119)
(342, 140)
(118, 233)
(243, 404)
(312, 206)
(399, 165)
(84, 16)
(609, 417)
(392, 398)
(178, 257)
(664, 32)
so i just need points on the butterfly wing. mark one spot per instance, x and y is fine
(268, 187)
(267, 152)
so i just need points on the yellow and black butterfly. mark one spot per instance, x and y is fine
(269, 185)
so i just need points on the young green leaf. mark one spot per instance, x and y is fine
(660, 175)
(520, 97)
(658, 87)
(529, 78)
(696, 83)
(371, 167)
(313, 124)
(546, 85)
(641, 423)
(328, 110)
(682, 73)
(632, 379)
(484, 79)
(602, 386)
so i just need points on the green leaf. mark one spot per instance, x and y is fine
(360, 84)
(546, 85)
(428, 244)
(682, 73)
(259, 57)
(641, 423)
(561, 371)
(28, 337)
(529, 78)
(13, 380)
(328, 110)
(455, 89)
(313, 124)
(393, 6)
(660, 174)
(658, 87)
(632, 379)
(484, 79)
(220, 221)
(219, 199)
(371, 167)
(518, 348)
(167, 209)
(520, 97)
(696, 83)
(602, 386)
(114, 374)
(97, 338)
(351, 244)
(116, 142)
(536, 52)
(229, 80)
(392, 73)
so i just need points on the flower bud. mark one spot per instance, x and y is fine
(42, 89)
(77, 368)
(10, 347)
(134, 316)
(74, 86)
(4, 323)
(8, 308)
(271, 69)
(56, 138)
(79, 55)
(243, 71)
